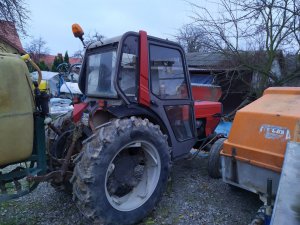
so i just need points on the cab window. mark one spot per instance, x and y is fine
(128, 67)
(167, 73)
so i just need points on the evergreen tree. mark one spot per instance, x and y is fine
(66, 58)
(60, 59)
(57, 60)
(42, 65)
(55, 64)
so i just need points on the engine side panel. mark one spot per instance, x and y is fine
(210, 111)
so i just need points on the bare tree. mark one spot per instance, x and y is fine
(91, 37)
(254, 34)
(94, 36)
(192, 38)
(15, 11)
(78, 54)
(36, 48)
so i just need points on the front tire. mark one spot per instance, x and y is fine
(122, 172)
(214, 163)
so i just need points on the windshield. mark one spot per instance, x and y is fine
(100, 74)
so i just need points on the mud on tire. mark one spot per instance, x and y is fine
(122, 172)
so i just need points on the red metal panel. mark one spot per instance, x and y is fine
(78, 110)
(144, 95)
(206, 109)
(206, 92)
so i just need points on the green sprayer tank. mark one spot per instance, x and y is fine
(16, 110)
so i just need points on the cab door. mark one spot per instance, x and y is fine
(170, 93)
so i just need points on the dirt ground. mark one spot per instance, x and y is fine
(192, 198)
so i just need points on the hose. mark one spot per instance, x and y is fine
(27, 58)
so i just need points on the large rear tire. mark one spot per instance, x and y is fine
(122, 172)
(214, 163)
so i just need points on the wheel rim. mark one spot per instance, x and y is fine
(132, 175)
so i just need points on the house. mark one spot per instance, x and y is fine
(9, 38)
(237, 80)
(49, 59)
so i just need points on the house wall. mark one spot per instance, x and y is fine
(4, 47)
(276, 68)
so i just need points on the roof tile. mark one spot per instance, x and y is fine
(8, 34)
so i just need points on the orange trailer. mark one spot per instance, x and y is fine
(257, 141)
(256, 145)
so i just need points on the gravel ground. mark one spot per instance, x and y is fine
(192, 198)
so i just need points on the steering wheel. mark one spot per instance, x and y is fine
(63, 67)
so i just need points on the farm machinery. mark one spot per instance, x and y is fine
(115, 150)
(262, 154)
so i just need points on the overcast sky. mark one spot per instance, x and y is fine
(52, 19)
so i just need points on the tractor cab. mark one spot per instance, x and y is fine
(143, 116)
(139, 75)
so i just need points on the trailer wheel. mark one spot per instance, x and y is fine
(122, 172)
(214, 163)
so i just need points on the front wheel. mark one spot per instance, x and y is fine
(214, 162)
(122, 172)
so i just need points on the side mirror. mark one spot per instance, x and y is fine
(78, 32)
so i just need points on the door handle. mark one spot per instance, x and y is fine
(153, 103)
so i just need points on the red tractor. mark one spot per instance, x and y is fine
(142, 116)
(114, 151)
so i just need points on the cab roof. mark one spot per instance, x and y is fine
(105, 42)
